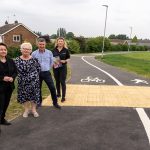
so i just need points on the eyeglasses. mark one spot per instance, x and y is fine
(26, 49)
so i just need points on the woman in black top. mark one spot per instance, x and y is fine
(8, 73)
(61, 57)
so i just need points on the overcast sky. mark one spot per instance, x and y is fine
(82, 17)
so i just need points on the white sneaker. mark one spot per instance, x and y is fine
(25, 114)
(35, 114)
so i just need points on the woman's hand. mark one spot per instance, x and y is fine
(63, 61)
(8, 79)
(11, 79)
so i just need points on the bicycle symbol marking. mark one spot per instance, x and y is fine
(136, 81)
(91, 79)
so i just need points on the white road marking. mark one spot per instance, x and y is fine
(136, 81)
(91, 79)
(142, 114)
(145, 120)
(117, 81)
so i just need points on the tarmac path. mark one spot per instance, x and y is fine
(101, 113)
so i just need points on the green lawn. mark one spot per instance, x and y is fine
(137, 62)
(15, 109)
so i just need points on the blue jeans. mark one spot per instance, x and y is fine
(46, 76)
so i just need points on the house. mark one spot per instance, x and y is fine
(145, 42)
(15, 34)
(122, 42)
(117, 41)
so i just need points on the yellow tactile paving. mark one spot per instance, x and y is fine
(100, 95)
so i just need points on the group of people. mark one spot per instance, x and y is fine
(31, 69)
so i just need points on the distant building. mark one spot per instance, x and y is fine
(117, 41)
(143, 43)
(15, 34)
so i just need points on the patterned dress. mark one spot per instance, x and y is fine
(28, 80)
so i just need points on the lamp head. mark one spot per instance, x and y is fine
(105, 5)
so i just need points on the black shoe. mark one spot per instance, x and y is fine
(57, 106)
(5, 122)
(58, 95)
(63, 99)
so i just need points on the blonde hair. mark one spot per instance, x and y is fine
(26, 45)
(61, 38)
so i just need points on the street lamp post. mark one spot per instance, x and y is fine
(130, 39)
(104, 29)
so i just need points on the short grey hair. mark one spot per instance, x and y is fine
(41, 40)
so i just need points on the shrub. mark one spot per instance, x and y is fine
(73, 46)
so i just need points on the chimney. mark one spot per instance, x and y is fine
(16, 22)
(6, 22)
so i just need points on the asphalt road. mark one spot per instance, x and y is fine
(85, 66)
(82, 128)
(76, 128)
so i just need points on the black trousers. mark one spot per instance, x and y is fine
(46, 76)
(60, 75)
(4, 101)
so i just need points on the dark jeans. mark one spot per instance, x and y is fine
(4, 101)
(60, 77)
(46, 76)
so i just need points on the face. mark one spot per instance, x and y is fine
(26, 51)
(41, 45)
(3, 51)
(60, 43)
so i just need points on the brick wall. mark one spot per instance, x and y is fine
(25, 34)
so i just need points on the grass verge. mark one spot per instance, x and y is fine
(138, 62)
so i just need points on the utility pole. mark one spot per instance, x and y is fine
(130, 39)
(104, 30)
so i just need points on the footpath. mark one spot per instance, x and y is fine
(98, 95)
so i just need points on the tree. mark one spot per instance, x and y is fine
(69, 35)
(61, 32)
(135, 40)
(46, 37)
(38, 33)
(112, 36)
(95, 44)
(53, 36)
(122, 37)
(119, 36)
(74, 46)
(82, 42)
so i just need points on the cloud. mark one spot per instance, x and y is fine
(83, 17)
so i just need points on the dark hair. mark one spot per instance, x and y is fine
(41, 40)
(2, 44)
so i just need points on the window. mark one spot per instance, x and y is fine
(16, 38)
(1, 39)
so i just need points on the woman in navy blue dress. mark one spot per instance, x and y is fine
(28, 80)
